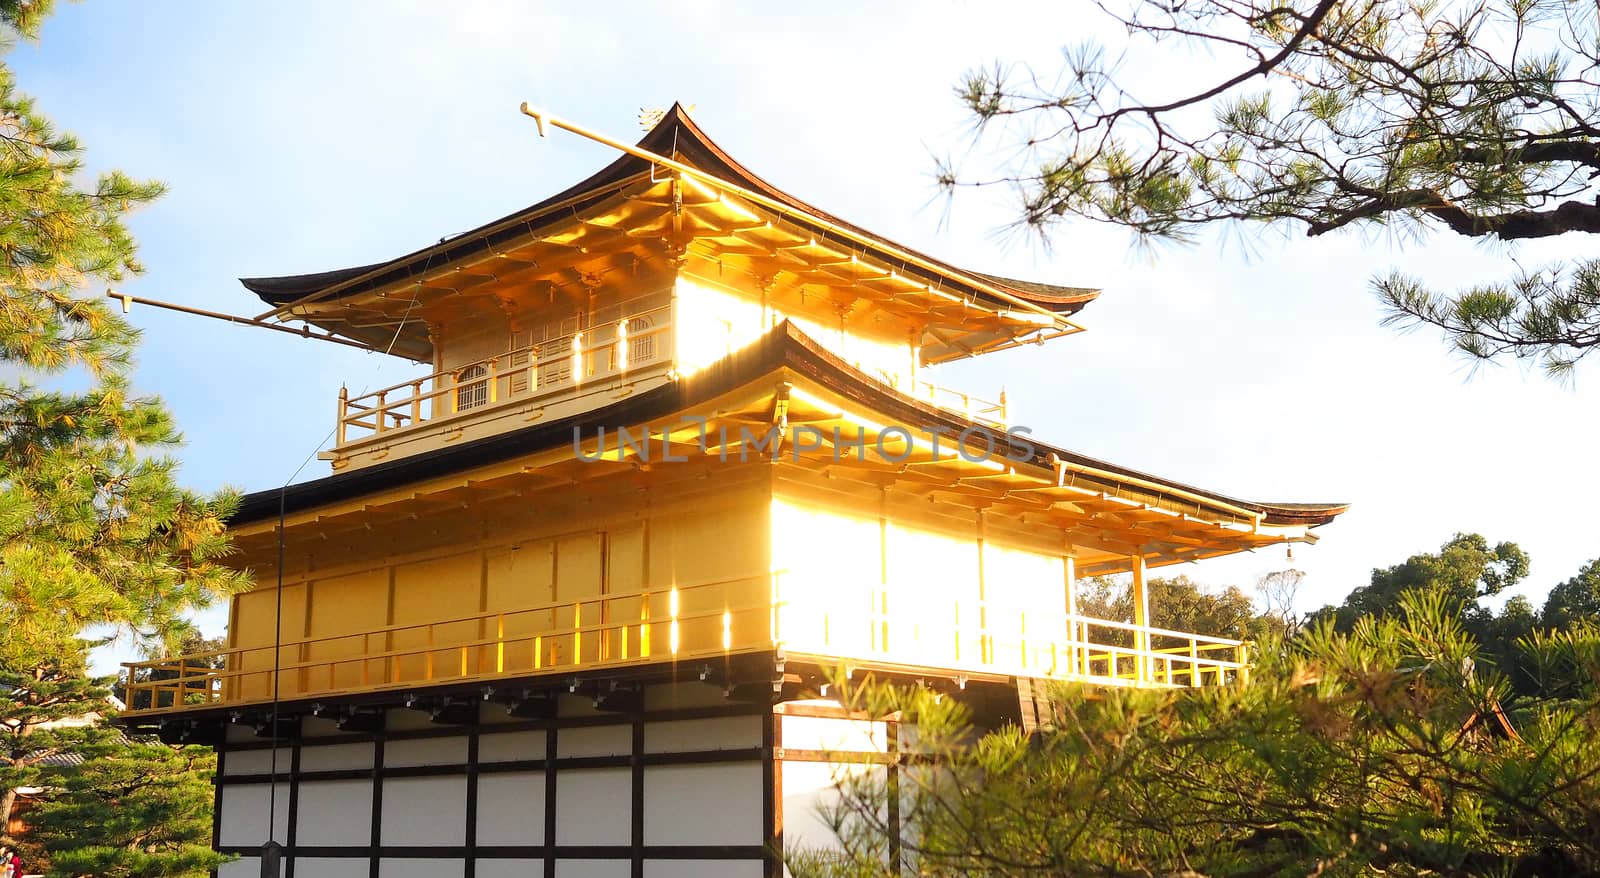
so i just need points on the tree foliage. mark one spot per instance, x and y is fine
(96, 535)
(93, 526)
(1574, 601)
(132, 809)
(1367, 752)
(1464, 569)
(1177, 603)
(48, 712)
(1480, 118)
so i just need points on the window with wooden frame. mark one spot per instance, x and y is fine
(472, 387)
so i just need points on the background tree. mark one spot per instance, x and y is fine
(132, 809)
(1177, 603)
(1575, 600)
(1368, 752)
(49, 711)
(1465, 569)
(95, 533)
(1479, 118)
(1280, 594)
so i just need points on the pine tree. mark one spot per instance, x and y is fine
(1378, 751)
(1477, 118)
(50, 711)
(133, 809)
(95, 533)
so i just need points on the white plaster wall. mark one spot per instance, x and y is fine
(684, 804)
(510, 868)
(615, 740)
(511, 746)
(511, 808)
(703, 869)
(245, 808)
(331, 867)
(256, 761)
(424, 811)
(825, 733)
(395, 867)
(244, 867)
(808, 789)
(336, 757)
(691, 735)
(703, 804)
(334, 813)
(592, 806)
(593, 868)
(425, 751)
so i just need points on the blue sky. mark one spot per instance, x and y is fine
(304, 136)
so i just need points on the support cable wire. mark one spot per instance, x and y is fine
(271, 850)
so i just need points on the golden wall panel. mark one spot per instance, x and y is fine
(256, 625)
(518, 578)
(890, 576)
(354, 605)
(560, 578)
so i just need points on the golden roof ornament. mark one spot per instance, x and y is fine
(650, 117)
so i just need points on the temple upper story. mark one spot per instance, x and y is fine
(784, 487)
(659, 265)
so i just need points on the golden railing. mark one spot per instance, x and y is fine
(982, 411)
(995, 638)
(688, 622)
(554, 367)
(693, 622)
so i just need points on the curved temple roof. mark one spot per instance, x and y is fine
(675, 136)
(786, 350)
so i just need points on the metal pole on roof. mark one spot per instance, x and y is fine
(304, 332)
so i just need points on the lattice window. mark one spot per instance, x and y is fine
(520, 343)
(472, 388)
(641, 347)
(518, 359)
(557, 366)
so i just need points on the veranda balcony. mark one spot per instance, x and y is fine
(698, 623)
(623, 345)
(636, 340)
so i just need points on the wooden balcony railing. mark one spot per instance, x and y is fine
(699, 621)
(556, 367)
(995, 638)
(976, 409)
(689, 622)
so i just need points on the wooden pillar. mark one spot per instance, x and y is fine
(1075, 649)
(1141, 619)
(983, 598)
